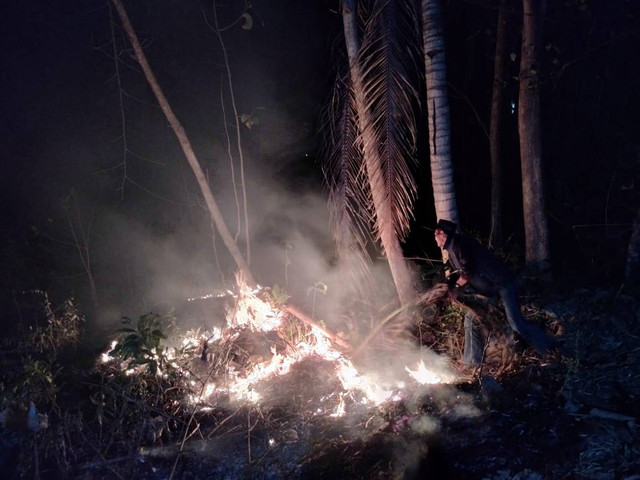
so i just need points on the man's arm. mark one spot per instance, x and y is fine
(463, 252)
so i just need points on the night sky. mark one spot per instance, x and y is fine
(61, 115)
(63, 161)
(63, 149)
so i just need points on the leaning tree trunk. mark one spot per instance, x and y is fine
(444, 194)
(535, 221)
(398, 265)
(495, 129)
(179, 131)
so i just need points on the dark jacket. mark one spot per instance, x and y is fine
(483, 270)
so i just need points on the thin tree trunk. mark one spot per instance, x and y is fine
(179, 131)
(243, 183)
(535, 221)
(495, 129)
(81, 240)
(444, 193)
(400, 271)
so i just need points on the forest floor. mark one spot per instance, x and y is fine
(571, 415)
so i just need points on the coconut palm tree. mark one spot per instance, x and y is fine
(383, 102)
(444, 194)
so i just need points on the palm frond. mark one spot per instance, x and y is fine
(345, 177)
(389, 72)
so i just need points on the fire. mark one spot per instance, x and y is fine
(423, 375)
(340, 411)
(105, 357)
(253, 310)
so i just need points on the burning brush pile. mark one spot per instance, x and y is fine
(246, 362)
(259, 386)
(271, 393)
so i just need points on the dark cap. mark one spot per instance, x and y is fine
(447, 227)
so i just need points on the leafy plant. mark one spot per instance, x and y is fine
(141, 344)
(279, 296)
(63, 327)
(317, 287)
(38, 382)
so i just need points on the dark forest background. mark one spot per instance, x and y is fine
(64, 170)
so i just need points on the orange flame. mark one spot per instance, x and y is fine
(252, 311)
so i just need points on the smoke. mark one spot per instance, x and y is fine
(157, 258)
(155, 247)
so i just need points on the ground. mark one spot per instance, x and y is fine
(570, 415)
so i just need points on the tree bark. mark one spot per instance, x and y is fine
(400, 271)
(180, 133)
(495, 129)
(444, 194)
(537, 253)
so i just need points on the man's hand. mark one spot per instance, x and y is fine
(454, 290)
(456, 286)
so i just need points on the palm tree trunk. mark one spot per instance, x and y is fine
(179, 131)
(495, 129)
(535, 221)
(444, 193)
(400, 271)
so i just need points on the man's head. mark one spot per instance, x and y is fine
(444, 229)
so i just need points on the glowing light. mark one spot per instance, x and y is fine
(254, 312)
(340, 410)
(423, 375)
(105, 357)
(209, 389)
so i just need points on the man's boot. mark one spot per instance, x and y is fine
(473, 341)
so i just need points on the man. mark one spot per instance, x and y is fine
(477, 267)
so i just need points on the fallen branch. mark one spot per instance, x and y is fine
(377, 329)
(309, 321)
(432, 295)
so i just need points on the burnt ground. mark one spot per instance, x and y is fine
(571, 415)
